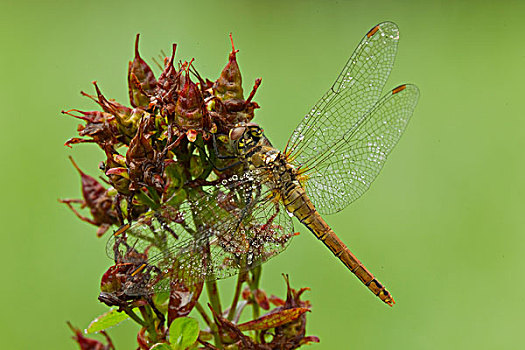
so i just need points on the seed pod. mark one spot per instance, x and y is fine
(139, 154)
(228, 88)
(95, 197)
(189, 109)
(141, 80)
(100, 127)
(116, 171)
(230, 108)
(168, 87)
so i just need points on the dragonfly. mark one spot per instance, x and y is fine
(330, 160)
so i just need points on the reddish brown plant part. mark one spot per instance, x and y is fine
(231, 334)
(141, 80)
(116, 170)
(126, 118)
(261, 299)
(190, 114)
(145, 343)
(183, 297)
(100, 127)
(144, 169)
(292, 335)
(282, 328)
(131, 281)
(257, 296)
(229, 107)
(168, 87)
(96, 198)
(91, 344)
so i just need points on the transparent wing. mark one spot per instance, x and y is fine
(343, 173)
(247, 243)
(217, 233)
(356, 90)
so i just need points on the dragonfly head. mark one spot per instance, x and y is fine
(245, 136)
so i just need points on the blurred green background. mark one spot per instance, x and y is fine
(442, 227)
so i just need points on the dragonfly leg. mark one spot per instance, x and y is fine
(165, 226)
(229, 166)
(157, 312)
(118, 209)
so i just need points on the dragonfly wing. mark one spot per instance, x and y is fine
(356, 90)
(216, 233)
(261, 235)
(344, 172)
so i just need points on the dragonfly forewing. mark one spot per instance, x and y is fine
(355, 91)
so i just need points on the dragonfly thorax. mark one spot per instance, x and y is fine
(274, 165)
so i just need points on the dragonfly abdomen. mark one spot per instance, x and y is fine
(297, 202)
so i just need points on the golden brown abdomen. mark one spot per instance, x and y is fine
(297, 202)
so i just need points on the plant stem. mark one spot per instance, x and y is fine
(134, 316)
(150, 323)
(203, 314)
(254, 285)
(213, 296)
(240, 280)
(215, 302)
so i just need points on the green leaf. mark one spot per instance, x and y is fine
(106, 320)
(160, 346)
(196, 166)
(177, 198)
(184, 331)
(146, 200)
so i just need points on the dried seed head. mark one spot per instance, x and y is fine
(229, 85)
(141, 80)
(189, 109)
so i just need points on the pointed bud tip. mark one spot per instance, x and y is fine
(233, 46)
(76, 166)
(137, 46)
(173, 50)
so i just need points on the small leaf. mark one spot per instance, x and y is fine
(196, 166)
(160, 346)
(106, 320)
(273, 320)
(184, 331)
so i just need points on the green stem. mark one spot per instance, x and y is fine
(233, 308)
(150, 323)
(213, 296)
(254, 285)
(215, 302)
(134, 316)
(204, 316)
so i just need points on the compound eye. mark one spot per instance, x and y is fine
(256, 131)
(236, 133)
